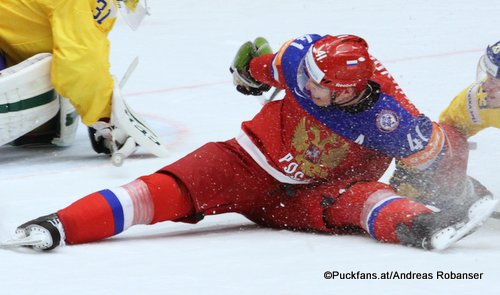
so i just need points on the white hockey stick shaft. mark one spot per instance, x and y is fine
(131, 68)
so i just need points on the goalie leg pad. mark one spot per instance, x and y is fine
(68, 123)
(3, 63)
(27, 98)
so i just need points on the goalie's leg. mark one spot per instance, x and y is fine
(3, 63)
(33, 112)
(27, 97)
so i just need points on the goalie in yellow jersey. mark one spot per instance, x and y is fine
(478, 106)
(475, 108)
(56, 54)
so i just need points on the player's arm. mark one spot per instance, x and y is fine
(424, 144)
(251, 68)
(437, 171)
(80, 66)
(469, 111)
(261, 69)
(478, 106)
(387, 82)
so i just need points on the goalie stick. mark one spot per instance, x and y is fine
(131, 68)
(133, 125)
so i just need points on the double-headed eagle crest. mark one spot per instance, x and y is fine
(317, 152)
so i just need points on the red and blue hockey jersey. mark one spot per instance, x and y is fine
(296, 141)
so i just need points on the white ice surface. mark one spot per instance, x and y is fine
(183, 88)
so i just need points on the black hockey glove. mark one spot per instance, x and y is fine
(247, 88)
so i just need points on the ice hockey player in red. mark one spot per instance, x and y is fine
(308, 162)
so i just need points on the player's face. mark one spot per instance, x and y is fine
(323, 96)
(492, 87)
(320, 95)
(346, 98)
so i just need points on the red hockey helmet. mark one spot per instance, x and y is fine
(340, 62)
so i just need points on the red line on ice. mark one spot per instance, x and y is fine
(390, 61)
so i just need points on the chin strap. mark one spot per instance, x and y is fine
(365, 98)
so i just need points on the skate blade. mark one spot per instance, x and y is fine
(478, 214)
(21, 241)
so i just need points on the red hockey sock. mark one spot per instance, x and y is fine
(105, 213)
(381, 219)
(348, 206)
(375, 207)
(171, 201)
(88, 219)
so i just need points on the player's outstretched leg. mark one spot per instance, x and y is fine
(442, 229)
(391, 218)
(147, 200)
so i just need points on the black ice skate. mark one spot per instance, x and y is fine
(44, 233)
(438, 231)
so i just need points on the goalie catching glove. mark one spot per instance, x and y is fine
(109, 139)
(240, 68)
(126, 130)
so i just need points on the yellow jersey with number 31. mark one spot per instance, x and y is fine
(75, 32)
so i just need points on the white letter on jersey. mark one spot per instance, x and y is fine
(360, 139)
(287, 158)
(292, 167)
